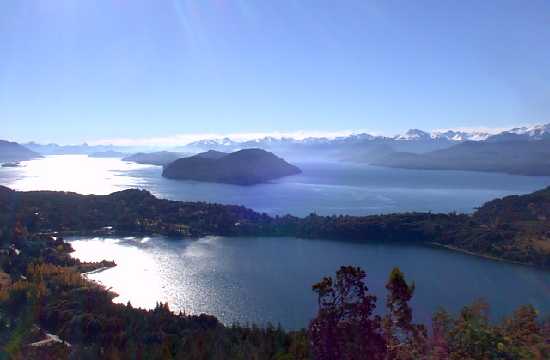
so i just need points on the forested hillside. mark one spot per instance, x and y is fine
(515, 228)
(49, 311)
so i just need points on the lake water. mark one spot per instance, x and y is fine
(269, 279)
(326, 188)
(264, 280)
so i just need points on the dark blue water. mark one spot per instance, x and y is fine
(326, 188)
(269, 280)
(330, 188)
(264, 280)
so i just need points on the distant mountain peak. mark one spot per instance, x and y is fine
(529, 133)
(414, 134)
(536, 131)
(213, 142)
(460, 135)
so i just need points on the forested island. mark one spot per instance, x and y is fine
(49, 311)
(243, 167)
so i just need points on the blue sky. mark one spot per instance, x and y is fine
(72, 71)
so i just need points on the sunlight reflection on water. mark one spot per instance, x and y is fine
(136, 271)
(323, 188)
(264, 280)
(76, 173)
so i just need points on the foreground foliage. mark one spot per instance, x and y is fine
(346, 326)
(60, 301)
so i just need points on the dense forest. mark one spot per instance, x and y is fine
(516, 228)
(49, 311)
(243, 167)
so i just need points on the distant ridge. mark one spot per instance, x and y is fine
(513, 157)
(107, 154)
(362, 148)
(154, 158)
(12, 151)
(535, 132)
(55, 149)
(244, 167)
(366, 147)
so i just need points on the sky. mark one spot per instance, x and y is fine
(73, 71)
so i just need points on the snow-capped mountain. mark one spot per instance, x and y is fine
(450, 135)
(268, 141)
(213, 142)
(413, 134)
(356, 138)
(524, 133)
(536, 132)
(457, 135)
(433, 139)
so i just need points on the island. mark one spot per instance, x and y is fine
(11, 164)
(243, 167)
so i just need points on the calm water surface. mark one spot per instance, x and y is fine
(269, 279)
(322, 188)
(264, 280)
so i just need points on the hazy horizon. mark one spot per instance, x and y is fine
(187, 138)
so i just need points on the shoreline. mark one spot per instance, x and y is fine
(484, 256)
(113, 233)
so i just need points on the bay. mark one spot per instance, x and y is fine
(262, 279)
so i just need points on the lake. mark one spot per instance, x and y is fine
(326, 189)
(260, 280)
(269, 279)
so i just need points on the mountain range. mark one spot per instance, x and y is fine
(366, 147)
(520, 150)
(414, 140)
(536, 132)
(511, 156)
